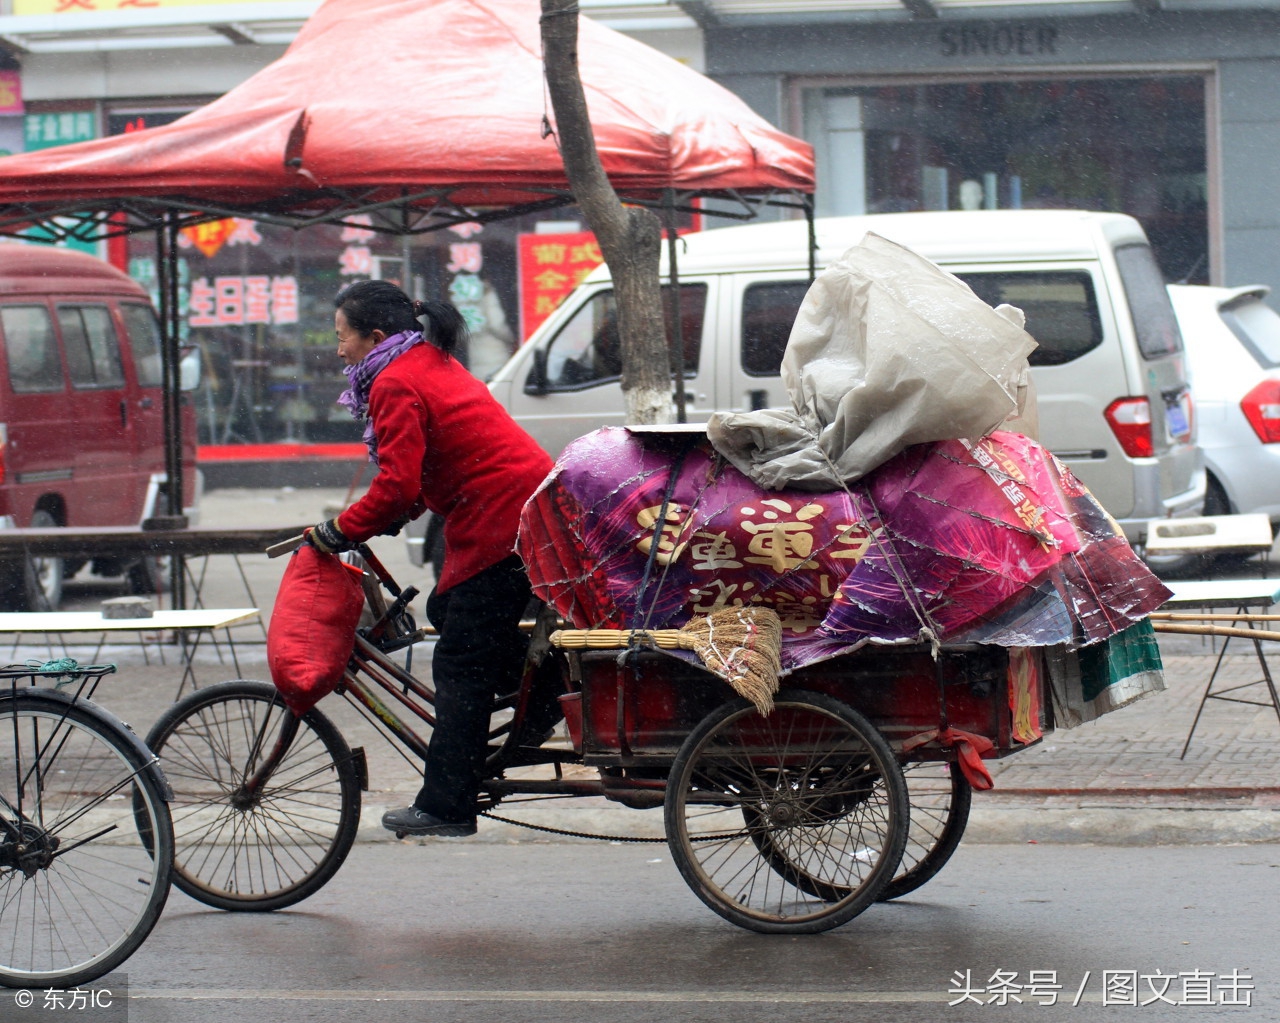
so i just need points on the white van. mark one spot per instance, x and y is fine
(1114, 403)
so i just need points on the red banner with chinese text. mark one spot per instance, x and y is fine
(551, 266)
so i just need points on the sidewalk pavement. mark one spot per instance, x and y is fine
(1121, 780)
(1117, 781)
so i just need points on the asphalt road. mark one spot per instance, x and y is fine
(452, 931)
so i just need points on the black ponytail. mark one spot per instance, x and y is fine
(445, 326)
(381, 305)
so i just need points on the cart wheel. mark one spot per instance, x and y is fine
(790, 823)
(940, 796)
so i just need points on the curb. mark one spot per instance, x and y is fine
(1122, 826)
(1118, 825)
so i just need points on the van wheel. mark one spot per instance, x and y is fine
(1215, 497)
(1216, 502)
(433, 545)
(1191, 565)
(149, 574)
(32, 584)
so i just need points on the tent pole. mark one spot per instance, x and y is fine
(813, 238)
(406, 250)
(167, 272)
(675, 319)
(406, 253)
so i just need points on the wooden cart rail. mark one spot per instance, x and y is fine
(121, 541)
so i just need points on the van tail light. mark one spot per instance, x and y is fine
(4, 451)
(1261, 406)
(1130, 421)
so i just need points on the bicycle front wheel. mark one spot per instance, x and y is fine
(263, 850)
(86, 846)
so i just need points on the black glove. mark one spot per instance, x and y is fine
(395, 527)
(327, 538)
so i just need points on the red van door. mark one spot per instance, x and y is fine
(143, 331)
(42, 433)
(109, 487)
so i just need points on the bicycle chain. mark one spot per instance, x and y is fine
(568, 834)
(603, 838)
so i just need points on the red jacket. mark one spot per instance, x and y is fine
(445, 444)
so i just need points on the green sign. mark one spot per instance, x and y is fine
(44, 131)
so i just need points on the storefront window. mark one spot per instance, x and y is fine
(1130, 144)
(257, 300)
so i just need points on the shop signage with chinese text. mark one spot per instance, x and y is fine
(551, 266)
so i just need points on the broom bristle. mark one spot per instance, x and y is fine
(743, 645)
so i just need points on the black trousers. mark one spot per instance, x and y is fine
(479, 654)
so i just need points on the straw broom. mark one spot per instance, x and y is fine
(742, 645)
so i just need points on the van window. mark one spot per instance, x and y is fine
(93, 351)
(768, 311)
(34, 365)
(1060, 306)
(588, 350)
(1153, 320)
(144, 338)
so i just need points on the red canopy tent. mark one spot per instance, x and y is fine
(420, 110)
(418, 114)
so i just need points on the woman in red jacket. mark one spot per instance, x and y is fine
(441, 442)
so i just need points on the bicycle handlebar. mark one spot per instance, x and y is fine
(284, 547)
(290, 545)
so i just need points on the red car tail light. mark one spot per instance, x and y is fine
(1261, 406)
(1130, 421)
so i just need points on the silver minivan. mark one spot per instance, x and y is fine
(1114, 403)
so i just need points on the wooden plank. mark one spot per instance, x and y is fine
(1233, 593)
(123, 541)
(92, 621)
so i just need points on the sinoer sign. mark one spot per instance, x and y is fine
(999, 40)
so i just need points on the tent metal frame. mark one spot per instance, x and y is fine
(410, 213)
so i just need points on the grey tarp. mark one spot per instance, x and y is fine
(887, 351)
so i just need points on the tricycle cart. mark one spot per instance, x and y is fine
(790, 822)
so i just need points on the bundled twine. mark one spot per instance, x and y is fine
(742, 645)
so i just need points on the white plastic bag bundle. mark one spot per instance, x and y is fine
(887, 351)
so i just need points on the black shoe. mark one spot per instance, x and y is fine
(412, 821)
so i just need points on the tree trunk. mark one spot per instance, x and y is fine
(630, 238)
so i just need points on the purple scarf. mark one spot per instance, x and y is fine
(361, 376)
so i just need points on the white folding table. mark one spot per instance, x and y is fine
(1241, 596)
(195, 623)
